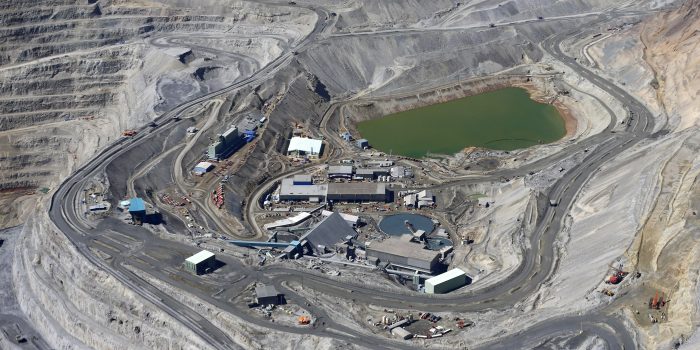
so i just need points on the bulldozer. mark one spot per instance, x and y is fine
(128, 133)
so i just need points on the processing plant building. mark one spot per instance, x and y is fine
(402, 252)
(295, 191)
(291, 190)
(357, 192)
(226, 144)
(328, 232)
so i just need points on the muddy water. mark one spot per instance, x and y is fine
(504, 119)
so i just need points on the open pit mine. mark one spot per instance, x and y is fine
(443, 174)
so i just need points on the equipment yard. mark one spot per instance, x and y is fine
(350, 175)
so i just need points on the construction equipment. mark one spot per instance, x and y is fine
(462, 323)
(608, 292)
(129, 133)
(657, 302)
(304, 320)
(618, 276)
(217, 196)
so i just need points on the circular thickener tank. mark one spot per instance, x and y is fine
(395, 225)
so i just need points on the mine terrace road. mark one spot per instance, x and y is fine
(63, 212)
(535, 269)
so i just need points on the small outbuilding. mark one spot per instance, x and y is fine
(267, 295)
(98, 207)
(124, 205)
(446, 282)
(362, 143)
(410, 201)
(398, 172)
(201, 262)
(371, 173)
(401, 333)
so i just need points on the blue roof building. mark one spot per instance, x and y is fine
(136, 205)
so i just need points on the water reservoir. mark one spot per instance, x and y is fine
(505, 119)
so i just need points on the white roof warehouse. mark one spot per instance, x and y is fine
(199, 257)
(300, 146)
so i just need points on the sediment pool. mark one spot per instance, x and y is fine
(504, 119)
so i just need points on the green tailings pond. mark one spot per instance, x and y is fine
(505, 119)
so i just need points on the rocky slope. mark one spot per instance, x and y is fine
(673, 50)
(73, 74)
(60, 291)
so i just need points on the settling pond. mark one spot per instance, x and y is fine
(395, 225)
(505, 119)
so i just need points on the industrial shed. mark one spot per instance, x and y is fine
(267, 295)
(302, 146)
(362, 143)
(137, 209)
(446, 282)
(203, 167)
(340, 171)
(357, 192)
(201, 262)
(371, 173)
(292, 192)
(401, 333)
